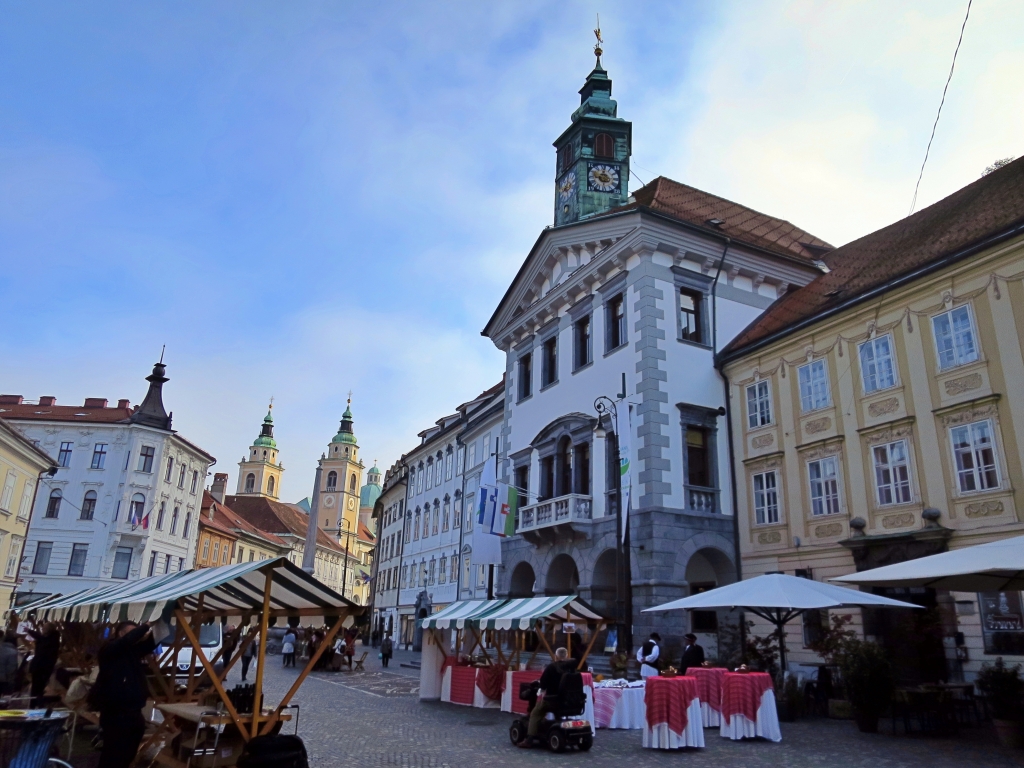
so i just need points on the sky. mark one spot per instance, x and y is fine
(302, 199)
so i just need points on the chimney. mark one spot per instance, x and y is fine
(95, 402)
(47, 400)
(123, 403)
(11, 399)
(219, 486)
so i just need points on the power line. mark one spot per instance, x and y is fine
(917, 186)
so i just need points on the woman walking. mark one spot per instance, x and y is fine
(386, 650)
(288, 648)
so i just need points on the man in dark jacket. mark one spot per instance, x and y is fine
(550, 681)
(44, 659)
(120, 693)
(693, 654)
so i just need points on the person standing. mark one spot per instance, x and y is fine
(247, 655)
(693, 654)
(288, 648)
(9, 663)
(387, 649)
(44, 659)
(648, 655)
(120, 693)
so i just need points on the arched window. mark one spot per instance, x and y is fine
(416, 526)
(604, 145)
(174, 521)
(160, 516)
(430, 474)
(332, 480)
(250, 482)
(53, 505)
(270, 486)
(437, 516)
(446, 518)
(137, 509)
(88, 505)
(457, 520)
(426, 521)
(437, 468)
(449, 463)
(352, 483)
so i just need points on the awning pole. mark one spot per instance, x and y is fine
(197, 620)
(586, 653)
(197, 650)
(261, 656)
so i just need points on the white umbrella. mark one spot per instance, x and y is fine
(994, 567)
(779, 598)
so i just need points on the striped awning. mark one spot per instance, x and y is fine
(226, 590)
(458, 614)
(523, 612)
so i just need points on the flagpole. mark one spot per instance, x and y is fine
(490, 566)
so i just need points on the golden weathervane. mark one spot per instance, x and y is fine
(597, 33)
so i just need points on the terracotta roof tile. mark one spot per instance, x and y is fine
(64, 413)
(277, 517)
(225, 518)
(985, 209)
(699, 208)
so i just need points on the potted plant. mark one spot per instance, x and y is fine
(790, 703)
(869, 682)
(1002, 686)
(831, 643)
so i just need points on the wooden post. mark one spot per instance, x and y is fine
(262, 652)
(197, 650)
(591, 645)
(544, 640)
(568, 637)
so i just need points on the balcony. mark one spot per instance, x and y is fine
(701, 500)
(555, 519)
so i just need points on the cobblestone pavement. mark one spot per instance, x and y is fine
(376, 719)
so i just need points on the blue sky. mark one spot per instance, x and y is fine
(299, 199)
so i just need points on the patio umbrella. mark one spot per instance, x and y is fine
(779, 598)
(994, 567)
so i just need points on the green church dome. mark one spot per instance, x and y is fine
(345, 434)
(266, 438)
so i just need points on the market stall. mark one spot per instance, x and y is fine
(255, 595)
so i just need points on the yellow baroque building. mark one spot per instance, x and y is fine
(877, 415)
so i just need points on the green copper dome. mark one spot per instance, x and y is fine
(345, 434)
(266, 438)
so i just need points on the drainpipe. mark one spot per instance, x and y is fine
(735, 511)
(714, 299)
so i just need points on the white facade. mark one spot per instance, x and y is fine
(86, 538)
(390, 528)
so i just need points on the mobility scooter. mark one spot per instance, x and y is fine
(565, 726)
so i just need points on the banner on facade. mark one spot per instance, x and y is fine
(490, 527)
(624, 433)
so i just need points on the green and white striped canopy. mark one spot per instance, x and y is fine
(227, 590)
(514, 613)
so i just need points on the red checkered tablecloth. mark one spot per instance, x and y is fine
(709, 684)
(667, 699)
(463, 684)
(742, 692)
(525, 676)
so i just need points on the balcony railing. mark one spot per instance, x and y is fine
(558, 511)
(704, 500)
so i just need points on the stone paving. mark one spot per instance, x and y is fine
(376, 719)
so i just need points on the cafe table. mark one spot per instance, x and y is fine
(673, 716)
(709, 688)
(748, 707)
(618, 706)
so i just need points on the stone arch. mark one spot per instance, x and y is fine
(523, 580)
(604, 583)
(563, 576)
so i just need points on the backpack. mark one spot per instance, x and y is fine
(274, 752)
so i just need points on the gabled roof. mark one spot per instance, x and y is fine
(277, 518)
(226, 519)
(978, 216)
(26, 445)
(742, 224)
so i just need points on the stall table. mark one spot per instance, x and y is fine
(618, 707)
(673, 715)
(709, 688)
(748, 707)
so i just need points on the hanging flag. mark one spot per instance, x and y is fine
(487, 545)
(134, 517)
(510, 510)
(145, 522)
(624, 433)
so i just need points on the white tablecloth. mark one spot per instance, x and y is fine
(661, 737)
(711, 718)
(767, 725)
(508, 693)
(628, 712)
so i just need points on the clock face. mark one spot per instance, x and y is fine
(351, 503)
(329, 501)
(602, 178)
(567, 187)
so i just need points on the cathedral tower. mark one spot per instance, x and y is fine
(592, 154)
(259, 473)
(342, 478)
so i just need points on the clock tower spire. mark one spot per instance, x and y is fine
(592, 154)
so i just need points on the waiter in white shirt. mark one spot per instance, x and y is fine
(647, 655)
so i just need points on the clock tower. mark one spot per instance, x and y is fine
(259, 473)
(342, 480)
(592, 155)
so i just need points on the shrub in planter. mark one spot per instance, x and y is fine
(791, 702)
(1003, 687)
(867, 675)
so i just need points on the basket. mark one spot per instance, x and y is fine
(27, 742)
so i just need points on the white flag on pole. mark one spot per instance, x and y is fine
(486, 545)
(624, 433)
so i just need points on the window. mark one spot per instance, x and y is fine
(525, 376)
(954, 338)
(460, 460)
(759, 404)
(13, 557)
(216, 552)
(766, 498)
(181, 563)
(691, 319)
(814, 392)
(160, 516)
(521, 479)
(270, 486)
(195, 480)
(53, 505)
(136, 509)
(64, 457)
(457, 521)
(152, 564)
(26, 501)
(42, 559)
(8, 491)
(876, 365)
(481, 575)
(206, 549)
(814, 625)
(698, 458)
(416, 527)
(433, 571)
(469, 512)
(824, 486)
(188, 524)
(146, 456)
(426, 522)
(88, 506)
(250, 483)
(168, 472)
(615, 322)
(565, 157)
(437, 515)
(892, 473)
(174, 521)
(604, 145)
(167, 564)
(549, 362)
(438, 468)
(429, 481)
(582, 354)
(446, 517)
(472, 456)
(405, 575)
(454, 575)
(99, 456)
(181, 476)
(122, 563)
(466, 571)
(449, 461)
(975, 453)
(332, 481)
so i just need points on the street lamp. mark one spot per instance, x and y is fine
(342, 530)
(605, 406)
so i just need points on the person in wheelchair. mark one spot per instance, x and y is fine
(551, 684)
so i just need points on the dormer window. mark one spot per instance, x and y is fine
(604, 145)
